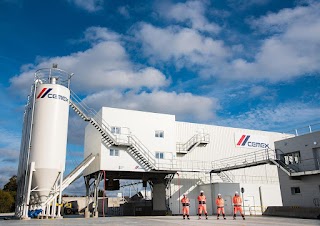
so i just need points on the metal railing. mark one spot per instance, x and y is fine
(310, 164)
(304, 130)
(197, 138)
(245, 159)
(120, 139)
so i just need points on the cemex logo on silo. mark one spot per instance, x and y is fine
(45, 92)
(252, 141)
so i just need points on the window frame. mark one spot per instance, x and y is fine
(159, 155)
(292, 158)
(114, 152)
(295, 191)
(159, 133)
(115, 130)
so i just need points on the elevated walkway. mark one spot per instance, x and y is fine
(256, 158)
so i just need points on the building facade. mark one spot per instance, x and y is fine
(300, 184)
(145, 142)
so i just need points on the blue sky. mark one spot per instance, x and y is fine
(250, 64)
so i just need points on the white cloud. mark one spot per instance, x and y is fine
(183, 46)
(192, 12)
(9, 149)
(124, 11)
(257, 91)
(276, 118)
(104, 65)
(242, 5)
(183, 105)
(88, 5)
(290, 47)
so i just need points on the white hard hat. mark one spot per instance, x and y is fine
(219, 194)
(237, 192)
(201, 191)
(184, 194)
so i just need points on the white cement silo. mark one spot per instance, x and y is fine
(49, 132)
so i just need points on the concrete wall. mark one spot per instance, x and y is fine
(159, 197)
(309, 185)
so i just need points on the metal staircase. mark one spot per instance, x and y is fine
(134, 146)
(71, 177)
(285, 168)
(226, 177)
(193, 142)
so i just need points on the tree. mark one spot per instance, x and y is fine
(8, 195)
(6, 202)
(11, 185)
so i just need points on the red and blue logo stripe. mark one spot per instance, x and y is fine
(243, 140)
(44, 92)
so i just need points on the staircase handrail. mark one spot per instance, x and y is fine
(194, 139)
(91, 114)
(133, 140)
(260, 155)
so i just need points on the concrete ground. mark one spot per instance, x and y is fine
(161, 221)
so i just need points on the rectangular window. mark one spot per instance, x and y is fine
(295, 190)
(115, 130)
(114, 152)
(159, 133)
(292, 158)
(159, 155)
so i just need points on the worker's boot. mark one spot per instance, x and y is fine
(206, 216)
(184, 217)
(243, 217)
(188, 217)
(199, 217)
(234, 216)
(218, 216)
(224, 216)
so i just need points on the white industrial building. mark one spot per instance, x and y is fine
(177, 157)
(173, 157)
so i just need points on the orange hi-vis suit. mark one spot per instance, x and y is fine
(185, 206)
(237, 203)
(220, 206)
(202, 205)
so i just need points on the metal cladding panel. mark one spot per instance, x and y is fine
(223, 144)
(49, 135)
(93, 145)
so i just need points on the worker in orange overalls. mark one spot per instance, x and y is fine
(185, 206)
(220, 207)
(237, 206)
(202, 205)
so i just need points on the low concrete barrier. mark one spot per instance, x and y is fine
(293, 211)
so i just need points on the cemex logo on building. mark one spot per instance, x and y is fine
(251, 141)
(46, 92)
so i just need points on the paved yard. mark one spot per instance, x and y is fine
(162, 221)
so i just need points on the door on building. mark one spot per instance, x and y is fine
(316, 156)
(193, 207)
(249, 205)
(228, 205)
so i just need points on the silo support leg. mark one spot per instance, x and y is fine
(86, 211)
